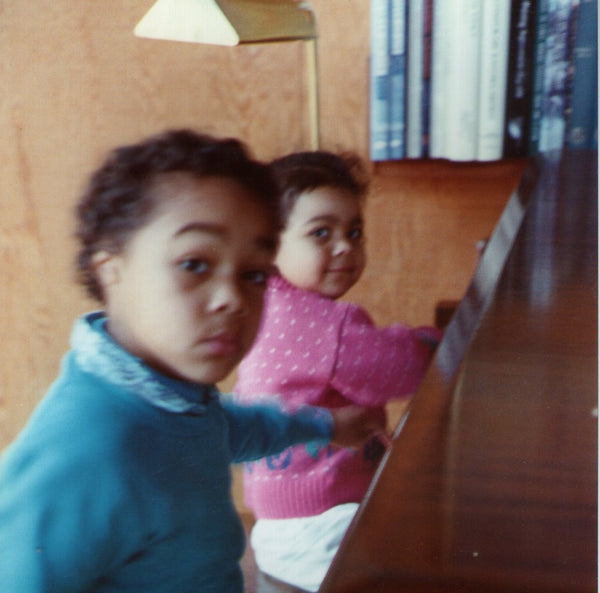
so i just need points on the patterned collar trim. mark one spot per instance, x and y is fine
(97, 353)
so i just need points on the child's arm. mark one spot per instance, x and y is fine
(258, 431)
(375, 364)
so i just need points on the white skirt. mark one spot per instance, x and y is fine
(299, 551)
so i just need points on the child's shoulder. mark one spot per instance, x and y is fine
(284, 296)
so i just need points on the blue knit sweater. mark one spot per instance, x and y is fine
(120, 481)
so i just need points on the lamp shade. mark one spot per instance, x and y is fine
(228, 22)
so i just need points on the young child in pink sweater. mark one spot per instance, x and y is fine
(315, 349)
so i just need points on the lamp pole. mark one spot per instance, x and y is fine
(312, 81)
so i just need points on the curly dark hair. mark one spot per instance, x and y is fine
(302, 172)
(119, 198)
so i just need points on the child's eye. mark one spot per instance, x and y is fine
(194, 265)
(356, 233)
(257, 277)
(321, 233)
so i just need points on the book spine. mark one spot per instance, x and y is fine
(397, 79)
(562, 15)
(463, 93)
(379, 81)
(541, 28)
(583, 119)
(492, 81)
(594, 140)
(427, 33)
(519, 80)
(570, 68)
(439, 81)
(414, 119)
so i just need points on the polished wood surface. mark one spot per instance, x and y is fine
(491, 482)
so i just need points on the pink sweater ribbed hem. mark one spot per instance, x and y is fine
(282, 495)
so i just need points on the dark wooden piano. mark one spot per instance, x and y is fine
(490, 484)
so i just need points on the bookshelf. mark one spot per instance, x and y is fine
(482, 81)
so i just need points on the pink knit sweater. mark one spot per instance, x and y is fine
(316, 351)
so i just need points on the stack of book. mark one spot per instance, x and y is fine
(482, 80)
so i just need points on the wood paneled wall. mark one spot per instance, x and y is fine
(76, 82)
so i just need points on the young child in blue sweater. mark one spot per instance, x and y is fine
(120, 480)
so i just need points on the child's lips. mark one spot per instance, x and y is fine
(224, 343)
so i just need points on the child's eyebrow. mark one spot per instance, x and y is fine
(265, 242)
(321, 218)
(332, 219)
(201, 227)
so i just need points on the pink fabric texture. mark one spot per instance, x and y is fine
(311, 350)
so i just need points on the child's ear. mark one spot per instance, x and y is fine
(106, 267)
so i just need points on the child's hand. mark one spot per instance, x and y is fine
(355, 425)
(430, 336)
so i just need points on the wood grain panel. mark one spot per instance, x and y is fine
(424, 220)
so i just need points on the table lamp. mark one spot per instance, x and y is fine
(235, 22)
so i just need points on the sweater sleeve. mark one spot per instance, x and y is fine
(261, 430)
(374, 364)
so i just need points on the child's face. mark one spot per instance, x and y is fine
(322, 246)
(186, 294)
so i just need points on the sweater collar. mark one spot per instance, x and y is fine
(97, 353)
(278, 282)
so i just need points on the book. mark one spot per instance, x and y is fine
(541, 27)
(414, 104)
(594, 139)
(495, 27)
(556, 88)
(583, 119)
(427, 34)
(519, 79)
(397, 79)
(379, 81)
(439, 79)
(462, 79)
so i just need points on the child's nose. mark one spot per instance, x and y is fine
(227, 296)
(341, 246)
